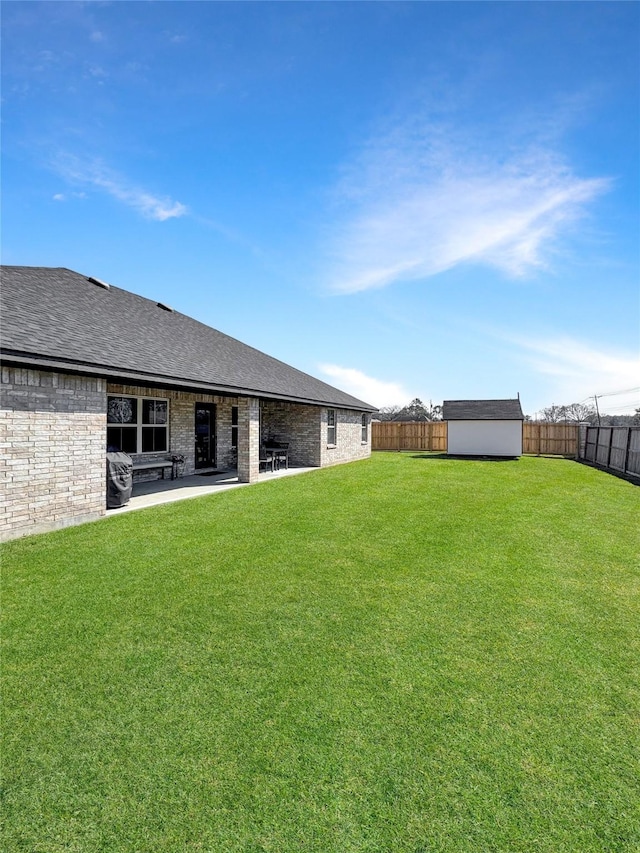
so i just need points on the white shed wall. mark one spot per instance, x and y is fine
(484, 438)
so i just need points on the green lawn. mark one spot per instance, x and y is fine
(406, 654)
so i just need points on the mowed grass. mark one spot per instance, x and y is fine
(406, 654)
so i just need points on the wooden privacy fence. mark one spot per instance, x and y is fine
(549, 439)
(616, 448)
(537, 438)
(409, 435)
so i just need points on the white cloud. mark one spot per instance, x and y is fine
(96, 174)
(59, 197)
(419, 201)
(366, 388)
(577, 370)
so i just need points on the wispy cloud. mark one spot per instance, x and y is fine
(67, 196)
(94, 173)
(374, 391)
(578, 370)
(422, 199)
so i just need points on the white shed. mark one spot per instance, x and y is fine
(483, 427)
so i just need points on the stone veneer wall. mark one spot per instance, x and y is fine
(182, 426)
(349, 445)
(52, 434)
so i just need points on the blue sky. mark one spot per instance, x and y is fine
(404, 199)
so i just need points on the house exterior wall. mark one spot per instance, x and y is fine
(297, 424)
(484, 438)
(52, 434)
(349, 445)
(182, 426)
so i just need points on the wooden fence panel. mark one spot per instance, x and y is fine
(618, 454)
(591, 444)
(549, 439)
(603, 445)
(537, 438)
(614, 448)
(409, 435)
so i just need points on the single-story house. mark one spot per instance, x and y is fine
(86, 366)
(483, 427)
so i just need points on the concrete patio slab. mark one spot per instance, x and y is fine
(157, 492)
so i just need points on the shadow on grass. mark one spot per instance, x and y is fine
(452, 456)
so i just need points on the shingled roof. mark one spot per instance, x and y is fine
(59, 319)
(482, 410)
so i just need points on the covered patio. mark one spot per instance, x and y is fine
(157, 492)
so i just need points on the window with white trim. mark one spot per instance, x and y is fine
(365, 430)
(331, 426)
(138, 424)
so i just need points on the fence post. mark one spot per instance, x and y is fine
(581, 439)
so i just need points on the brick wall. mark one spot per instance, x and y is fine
(52, 435)
(349, 445)
(53, 438)
(305, 428)
(297, 424)
(182, 426)
(248, 439)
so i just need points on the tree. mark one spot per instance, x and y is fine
(553, 414)
(388, 413)
(416, 410)
(580, 413)
(572, 413)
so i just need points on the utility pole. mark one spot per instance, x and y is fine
(595, 398)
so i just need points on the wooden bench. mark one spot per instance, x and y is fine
(159, 464)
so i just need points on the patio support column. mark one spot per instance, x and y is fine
(248, 439)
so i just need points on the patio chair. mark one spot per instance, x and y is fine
(281, 455)
(265, 459)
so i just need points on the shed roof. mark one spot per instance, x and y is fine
(59, 319)
(482, 410)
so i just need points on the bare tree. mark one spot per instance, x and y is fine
(388, 413)
(580, 413)
(553, 414)
(572, 413)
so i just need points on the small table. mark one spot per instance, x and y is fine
(279, 455)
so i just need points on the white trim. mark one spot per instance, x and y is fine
(139, 425)
(333, 427)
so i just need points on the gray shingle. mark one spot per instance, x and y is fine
(55, 315)
(482, 410)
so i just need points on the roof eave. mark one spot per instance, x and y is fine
(177, 383)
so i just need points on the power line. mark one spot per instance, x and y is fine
(633, 405)
(617, 393)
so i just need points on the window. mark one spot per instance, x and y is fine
(138, 424)
(365, 432)
(124, 412)
(234, 427)
(331, 426)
